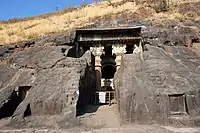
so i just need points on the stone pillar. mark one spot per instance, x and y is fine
(97, 52)
(118, 62)
(77, 49)
(138, 48)
(98, 72)
(118, 50)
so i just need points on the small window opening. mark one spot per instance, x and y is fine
(108, 71)
(177, 104)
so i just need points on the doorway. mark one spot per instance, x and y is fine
(14, 100)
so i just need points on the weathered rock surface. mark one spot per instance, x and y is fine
(6, 74)
(8, 92)
(54, 80)
(155, 87)
(38, 57)
(147, 85)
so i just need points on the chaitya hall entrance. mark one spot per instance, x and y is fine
(107, 47)
(107, 62)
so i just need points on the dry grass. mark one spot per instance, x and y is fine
(23, 30)
(19, 30)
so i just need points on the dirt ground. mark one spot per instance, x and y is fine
(103, 119)
(100, 116)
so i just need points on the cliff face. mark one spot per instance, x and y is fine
(52, 80)
(151, 86)
(169, 66)
(55, 78)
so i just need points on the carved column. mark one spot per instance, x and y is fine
(77, 49)
(138, 48)
(97, 52)
(118, 50)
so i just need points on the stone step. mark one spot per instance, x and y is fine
(132, 129)
(185, 121)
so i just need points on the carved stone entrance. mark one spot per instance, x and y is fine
(108, 47)
(17, 96)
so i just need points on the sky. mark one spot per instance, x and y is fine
(23, 8)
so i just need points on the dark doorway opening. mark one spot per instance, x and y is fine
(27, 111)
(72, 52)
(23, 92)
(108, 64)
(14, 100)
(108, 71)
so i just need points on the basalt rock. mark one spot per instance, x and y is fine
(53, 80)
(157, 87)
(160, 85)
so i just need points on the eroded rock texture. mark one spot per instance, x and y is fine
(158, 87)
(54, 81)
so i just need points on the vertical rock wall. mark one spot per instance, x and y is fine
(144, 86)
(56, 84)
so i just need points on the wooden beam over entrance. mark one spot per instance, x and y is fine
(104, 36)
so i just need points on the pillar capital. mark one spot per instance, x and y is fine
(97, 51)
(118, 49)
(138, 48)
